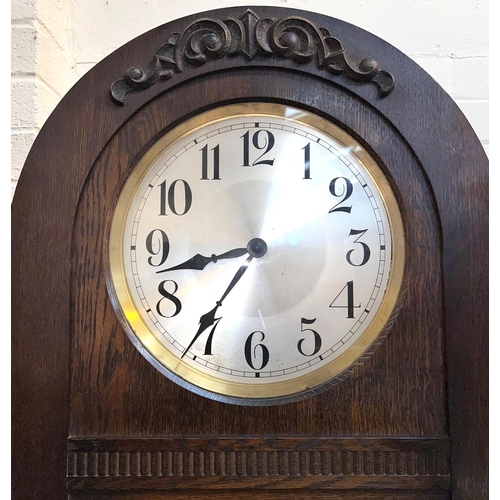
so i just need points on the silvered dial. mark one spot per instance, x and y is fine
(256, 253)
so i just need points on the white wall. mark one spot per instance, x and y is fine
(54, 42)
(41, 70)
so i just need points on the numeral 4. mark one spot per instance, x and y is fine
(349, 287)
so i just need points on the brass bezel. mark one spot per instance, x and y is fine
(178, 370)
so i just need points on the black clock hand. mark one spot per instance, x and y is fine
(208, 319)
(199, 262)
(256, 248)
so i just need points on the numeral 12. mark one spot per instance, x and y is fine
(267, 145)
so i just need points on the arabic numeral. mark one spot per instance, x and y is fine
(157, 243)
(341, 187)
(316, 337)
(261, 140)
(364, 246)
(258, 351)
(168, 197)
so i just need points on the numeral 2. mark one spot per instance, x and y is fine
(341, 187)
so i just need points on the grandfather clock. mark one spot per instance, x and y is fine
(250, 261)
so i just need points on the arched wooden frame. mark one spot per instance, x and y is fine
(289, 49)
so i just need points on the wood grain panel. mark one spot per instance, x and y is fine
(399, 391)
(280, 463)
(268, 495)
(74, 372)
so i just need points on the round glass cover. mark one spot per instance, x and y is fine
(256, 253)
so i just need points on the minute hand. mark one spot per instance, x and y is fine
(199, 262)
(208, 319)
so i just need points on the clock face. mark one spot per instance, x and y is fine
(256, 253)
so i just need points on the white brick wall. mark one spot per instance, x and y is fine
(40, 70)
(54, 42)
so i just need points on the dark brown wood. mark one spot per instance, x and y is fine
(249, 35)
(108, 372)
(281, 463)
(268, 495)
(76, 375)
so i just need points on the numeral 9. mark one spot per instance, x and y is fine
(157, 246)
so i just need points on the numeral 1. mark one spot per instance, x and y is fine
(307, 161)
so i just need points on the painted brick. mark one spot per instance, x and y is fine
(20, 145)
(24, 98)
(477, 112)
(439, 27)
(469, 78)
(79, 69)
(448, 38)
(53, 66)
(23, 10)
(54, 15)
(23, 49)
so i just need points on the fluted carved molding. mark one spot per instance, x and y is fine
(273, 463)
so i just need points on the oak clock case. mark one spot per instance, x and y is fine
(247, 244)
(256, 253)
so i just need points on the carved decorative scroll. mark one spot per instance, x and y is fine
(294, 38)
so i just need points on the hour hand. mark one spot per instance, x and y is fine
(199, 262)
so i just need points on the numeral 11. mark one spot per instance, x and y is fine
(204, 163)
